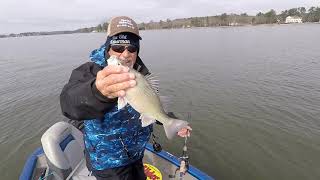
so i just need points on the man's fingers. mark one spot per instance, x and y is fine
(112, 69)
(120, 86)
(117, 94)
(189, 128)
(113, 79)
(184, 132)
(117, 78)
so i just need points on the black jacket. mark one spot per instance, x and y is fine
(80, 99)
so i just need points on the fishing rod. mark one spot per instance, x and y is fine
(184, 164)
(184, 159)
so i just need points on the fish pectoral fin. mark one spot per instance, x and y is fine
(146, 120)
(122, 102)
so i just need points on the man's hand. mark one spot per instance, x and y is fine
(184, 132)
(112, 81)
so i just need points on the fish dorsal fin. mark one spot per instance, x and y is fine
(165, 102)
(122, 102)
(154, 83)
(146, 120)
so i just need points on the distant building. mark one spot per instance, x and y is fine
(233, 24)
(293, 19)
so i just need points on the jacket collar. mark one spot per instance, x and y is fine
(140, 67)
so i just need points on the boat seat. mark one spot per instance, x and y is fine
(64, 149)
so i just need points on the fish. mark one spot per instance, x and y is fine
(144, 98)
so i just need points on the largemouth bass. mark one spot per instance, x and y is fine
(144, 98)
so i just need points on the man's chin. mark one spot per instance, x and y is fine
(130, 65)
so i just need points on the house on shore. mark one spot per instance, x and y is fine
(293, 19)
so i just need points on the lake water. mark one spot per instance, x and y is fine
(253, 94)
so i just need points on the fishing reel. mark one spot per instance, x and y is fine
(156, 146)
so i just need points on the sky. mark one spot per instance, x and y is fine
(18, 16)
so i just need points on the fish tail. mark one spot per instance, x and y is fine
(171, 129)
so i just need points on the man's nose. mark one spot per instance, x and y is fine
(125, 53)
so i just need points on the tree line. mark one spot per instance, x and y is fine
(270, 17)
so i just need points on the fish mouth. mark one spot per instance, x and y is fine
(126, 63)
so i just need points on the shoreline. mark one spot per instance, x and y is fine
(27, 34)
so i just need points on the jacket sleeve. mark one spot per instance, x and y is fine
(80, 99)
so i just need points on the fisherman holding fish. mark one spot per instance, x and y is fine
(117, 97)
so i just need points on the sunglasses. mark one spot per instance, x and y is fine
(120, 48)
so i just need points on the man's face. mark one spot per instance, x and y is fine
(127, 54)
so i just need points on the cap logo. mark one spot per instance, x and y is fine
(125, 23)
(122, 36)
(120, 39)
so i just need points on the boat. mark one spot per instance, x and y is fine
(61, 157)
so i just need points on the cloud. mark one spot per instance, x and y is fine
(46, 15)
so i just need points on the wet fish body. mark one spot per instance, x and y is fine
(144, 98)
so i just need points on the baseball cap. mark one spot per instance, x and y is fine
(122, 24)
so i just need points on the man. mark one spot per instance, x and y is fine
(114, 139)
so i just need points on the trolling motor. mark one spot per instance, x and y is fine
(156, 146)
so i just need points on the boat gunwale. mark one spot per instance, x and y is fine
(174, 160)
(31, 162)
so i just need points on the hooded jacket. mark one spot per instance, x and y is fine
(113, 137)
